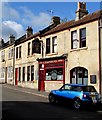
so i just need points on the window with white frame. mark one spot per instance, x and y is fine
(3, 72)
(32, 72)
(74, 42)
(54, 44)
(28, 73)
(3, 56)
(29, 48)
(10, 53)
(10, 72)
(83, 37)
(47, 45)
(18, 52)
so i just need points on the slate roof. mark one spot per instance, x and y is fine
(70, 24)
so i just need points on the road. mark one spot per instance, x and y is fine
(23, 104)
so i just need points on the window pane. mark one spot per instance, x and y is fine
(32, 73)
(47, 45)
(23, 73)
(54, 44)
(74, 35)
(20, 52)
(83, 33)
(83, 37)
(74, 39)
(28, 73)
(29, 48)
(17, 52)
(32, 47)
(75, 44)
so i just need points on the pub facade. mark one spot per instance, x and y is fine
(76, 48)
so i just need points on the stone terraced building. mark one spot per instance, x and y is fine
(69, 52)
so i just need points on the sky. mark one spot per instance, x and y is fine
(17, 16)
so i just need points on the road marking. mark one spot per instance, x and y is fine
(99, 111)
(40, 95)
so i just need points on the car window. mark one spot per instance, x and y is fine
(76, 88)
(66, 87)
(88, 89)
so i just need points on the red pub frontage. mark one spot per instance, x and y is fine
(51, 73)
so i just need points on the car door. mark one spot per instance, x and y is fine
(64, 92)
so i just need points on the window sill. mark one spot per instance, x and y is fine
(78, 49)
(18, 58)
(30, 56)
(50, 54)
(10, 58)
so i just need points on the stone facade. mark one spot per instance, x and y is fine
(70, 53)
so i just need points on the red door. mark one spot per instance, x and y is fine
(16, 76)
(41, 86)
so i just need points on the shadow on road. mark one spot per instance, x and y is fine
(27, 110)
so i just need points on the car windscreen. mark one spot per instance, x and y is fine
(88, 89)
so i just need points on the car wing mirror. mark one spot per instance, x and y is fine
(60, 89)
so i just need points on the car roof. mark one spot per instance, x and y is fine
(76, 84)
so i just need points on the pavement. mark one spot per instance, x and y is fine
(27, 90)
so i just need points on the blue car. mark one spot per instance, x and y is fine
(77, 94)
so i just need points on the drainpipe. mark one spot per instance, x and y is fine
(99, 34)
(14, 64)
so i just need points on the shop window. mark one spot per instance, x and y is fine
(74, 42)
(23, 74)
(54, 74)
(47, 45)
(32, 72)
(54, 44)
(79, 75)
(83, 37)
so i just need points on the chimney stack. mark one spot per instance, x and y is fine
(55, 20)
(81, 10)
(11, 39)
(1, 42)
(29, 31)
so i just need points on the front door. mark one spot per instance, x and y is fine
(41, 86)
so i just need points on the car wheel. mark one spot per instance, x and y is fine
(77, 103)
(51, 98)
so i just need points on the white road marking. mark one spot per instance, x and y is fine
(40, 95)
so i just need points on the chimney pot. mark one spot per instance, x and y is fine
(56, 20)
(81, 10)
(11, 39)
